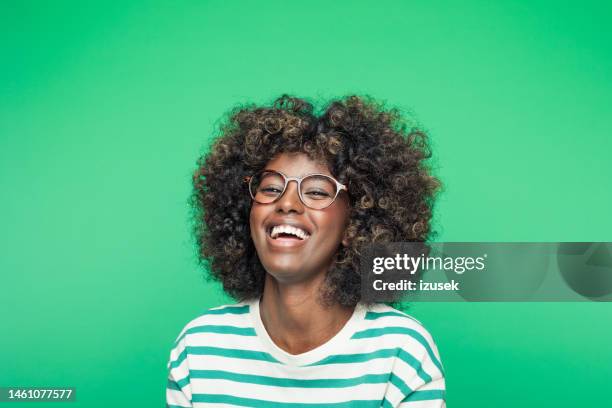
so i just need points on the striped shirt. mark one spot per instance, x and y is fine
(380, 358)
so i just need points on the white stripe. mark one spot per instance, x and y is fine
(234, 341)
(255, 367)
(438, 403)
(238, 320)
(175, 397)
(394, 395)
(288, 394)
(435, 384)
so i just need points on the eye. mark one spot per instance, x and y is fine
(270, 190)
(317, 194)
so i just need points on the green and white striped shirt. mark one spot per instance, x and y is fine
(381, 357)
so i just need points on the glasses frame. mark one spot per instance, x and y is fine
(298, 180)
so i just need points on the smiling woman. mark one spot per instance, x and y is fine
(283, 205)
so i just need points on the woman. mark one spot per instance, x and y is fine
(284, 202)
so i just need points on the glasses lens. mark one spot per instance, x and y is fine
(318, 191)
(267, 186)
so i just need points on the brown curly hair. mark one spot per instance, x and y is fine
(368, 148)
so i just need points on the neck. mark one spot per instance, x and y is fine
(295, 319)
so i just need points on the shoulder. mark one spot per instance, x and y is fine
(392, 328)
(385, 319)
(220, 320)
(417, 371)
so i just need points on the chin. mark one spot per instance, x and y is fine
(287, 275)
(282, 273)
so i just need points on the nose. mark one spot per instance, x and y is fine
(290, 200)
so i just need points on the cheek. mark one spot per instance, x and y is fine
(333, 226)
(256, 214)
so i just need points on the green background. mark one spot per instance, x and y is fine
(104, 108)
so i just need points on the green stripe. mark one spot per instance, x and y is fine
(386, 404)
(221, 329)
(252, 402)
(414, 363)
(231, 353)
(175, 406)
(210, 328)
(290, 382)
(179, 359)
(425, 395)
(400, 384)
(172, 385)
(377, 332)
(223, 352)
(228, 310)
(183, 382)
(357, 358)
(377, 315)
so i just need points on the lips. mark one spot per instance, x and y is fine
(286, 234)
(289, 226)
(287, 231)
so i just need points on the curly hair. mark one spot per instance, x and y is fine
(366, 147)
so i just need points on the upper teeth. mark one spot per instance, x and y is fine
(298, 232)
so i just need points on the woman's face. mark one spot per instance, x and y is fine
(291, 259)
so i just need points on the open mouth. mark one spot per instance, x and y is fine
(288, 232)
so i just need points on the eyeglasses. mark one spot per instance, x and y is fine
(316, 191)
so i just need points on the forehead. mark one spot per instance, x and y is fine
(297, 165)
